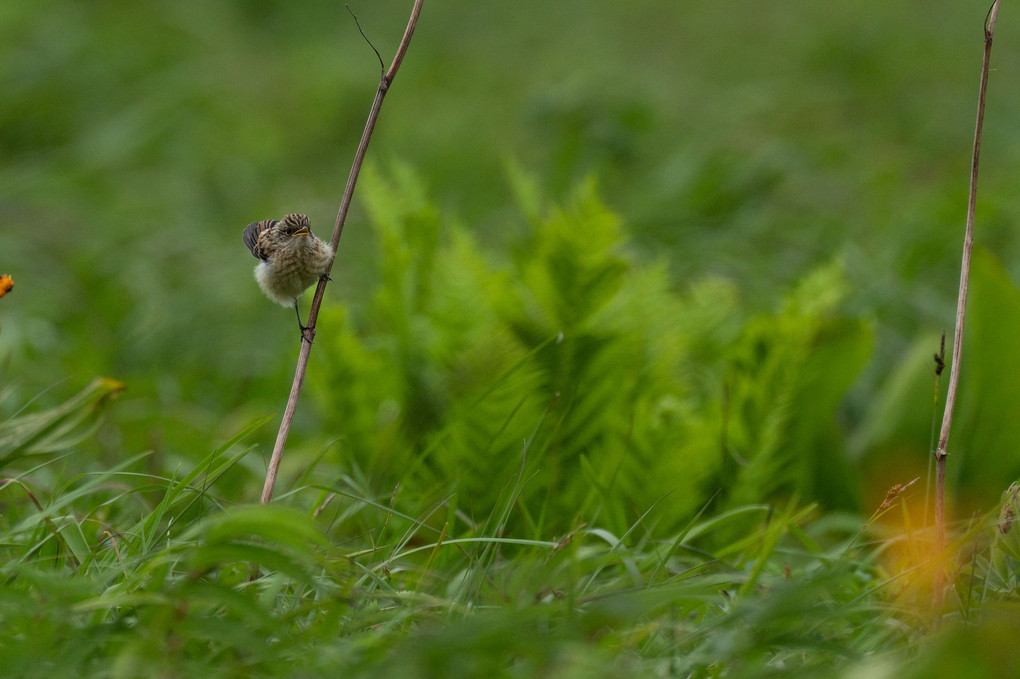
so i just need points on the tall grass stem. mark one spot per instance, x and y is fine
(941, 453)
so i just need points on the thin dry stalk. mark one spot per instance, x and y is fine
(961, 306)
(338, 227)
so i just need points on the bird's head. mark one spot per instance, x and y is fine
(296, 225)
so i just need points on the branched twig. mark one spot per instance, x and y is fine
(338, 227)
(961, 305)
(382, 66)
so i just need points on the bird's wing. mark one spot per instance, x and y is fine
(251, 236)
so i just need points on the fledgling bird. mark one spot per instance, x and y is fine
(291, 258)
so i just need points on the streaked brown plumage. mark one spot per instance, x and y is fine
(291, 257)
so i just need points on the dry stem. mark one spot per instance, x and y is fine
(338, 227)
(961, 305)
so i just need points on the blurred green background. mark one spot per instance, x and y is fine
(744, 142)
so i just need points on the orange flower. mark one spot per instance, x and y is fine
(6, 284)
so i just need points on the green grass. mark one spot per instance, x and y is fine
(119, 574)
(101, 582)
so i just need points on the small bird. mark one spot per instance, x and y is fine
(291, 258)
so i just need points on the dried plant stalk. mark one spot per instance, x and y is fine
(941, 453)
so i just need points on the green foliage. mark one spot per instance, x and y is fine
(898, 431)
(973, 651)
(987, 433)
(1005, 548)
(267, 591)
(56, 429)
(153, 587)
(136, 142)
(579, 362)
(790, 374)
(563, 445)
(527, 533)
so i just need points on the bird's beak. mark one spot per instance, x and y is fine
(303, 231)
